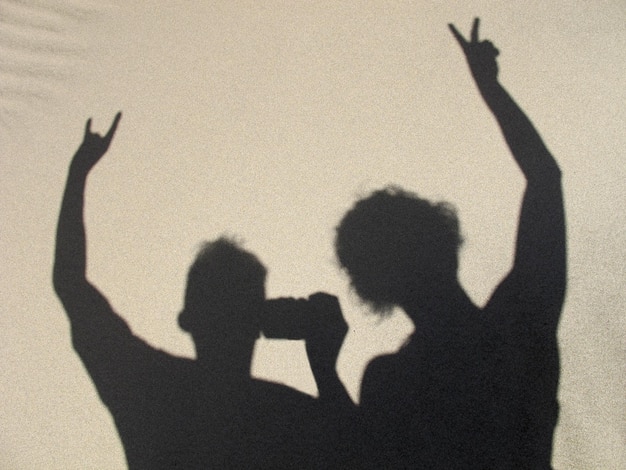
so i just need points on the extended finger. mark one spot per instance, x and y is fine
(475, 30)
(113, 127)
(88, 127)
(459, 37)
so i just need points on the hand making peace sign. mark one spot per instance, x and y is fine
(481, 55)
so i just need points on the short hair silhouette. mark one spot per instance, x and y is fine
(224, 261)
(223, 272)
(392, 240)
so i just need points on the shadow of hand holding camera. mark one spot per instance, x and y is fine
(318, 321)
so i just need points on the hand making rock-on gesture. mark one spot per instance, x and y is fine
(94, 145)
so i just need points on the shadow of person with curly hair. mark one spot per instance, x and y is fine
(474, 387)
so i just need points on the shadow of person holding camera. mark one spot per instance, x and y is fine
(173, 412)
(473, 388)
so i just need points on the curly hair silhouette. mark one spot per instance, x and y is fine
(473, 387)
(393, 241)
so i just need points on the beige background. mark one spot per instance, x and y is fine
(266, 120)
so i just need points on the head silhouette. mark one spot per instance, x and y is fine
(225, 292)
(396, 247)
